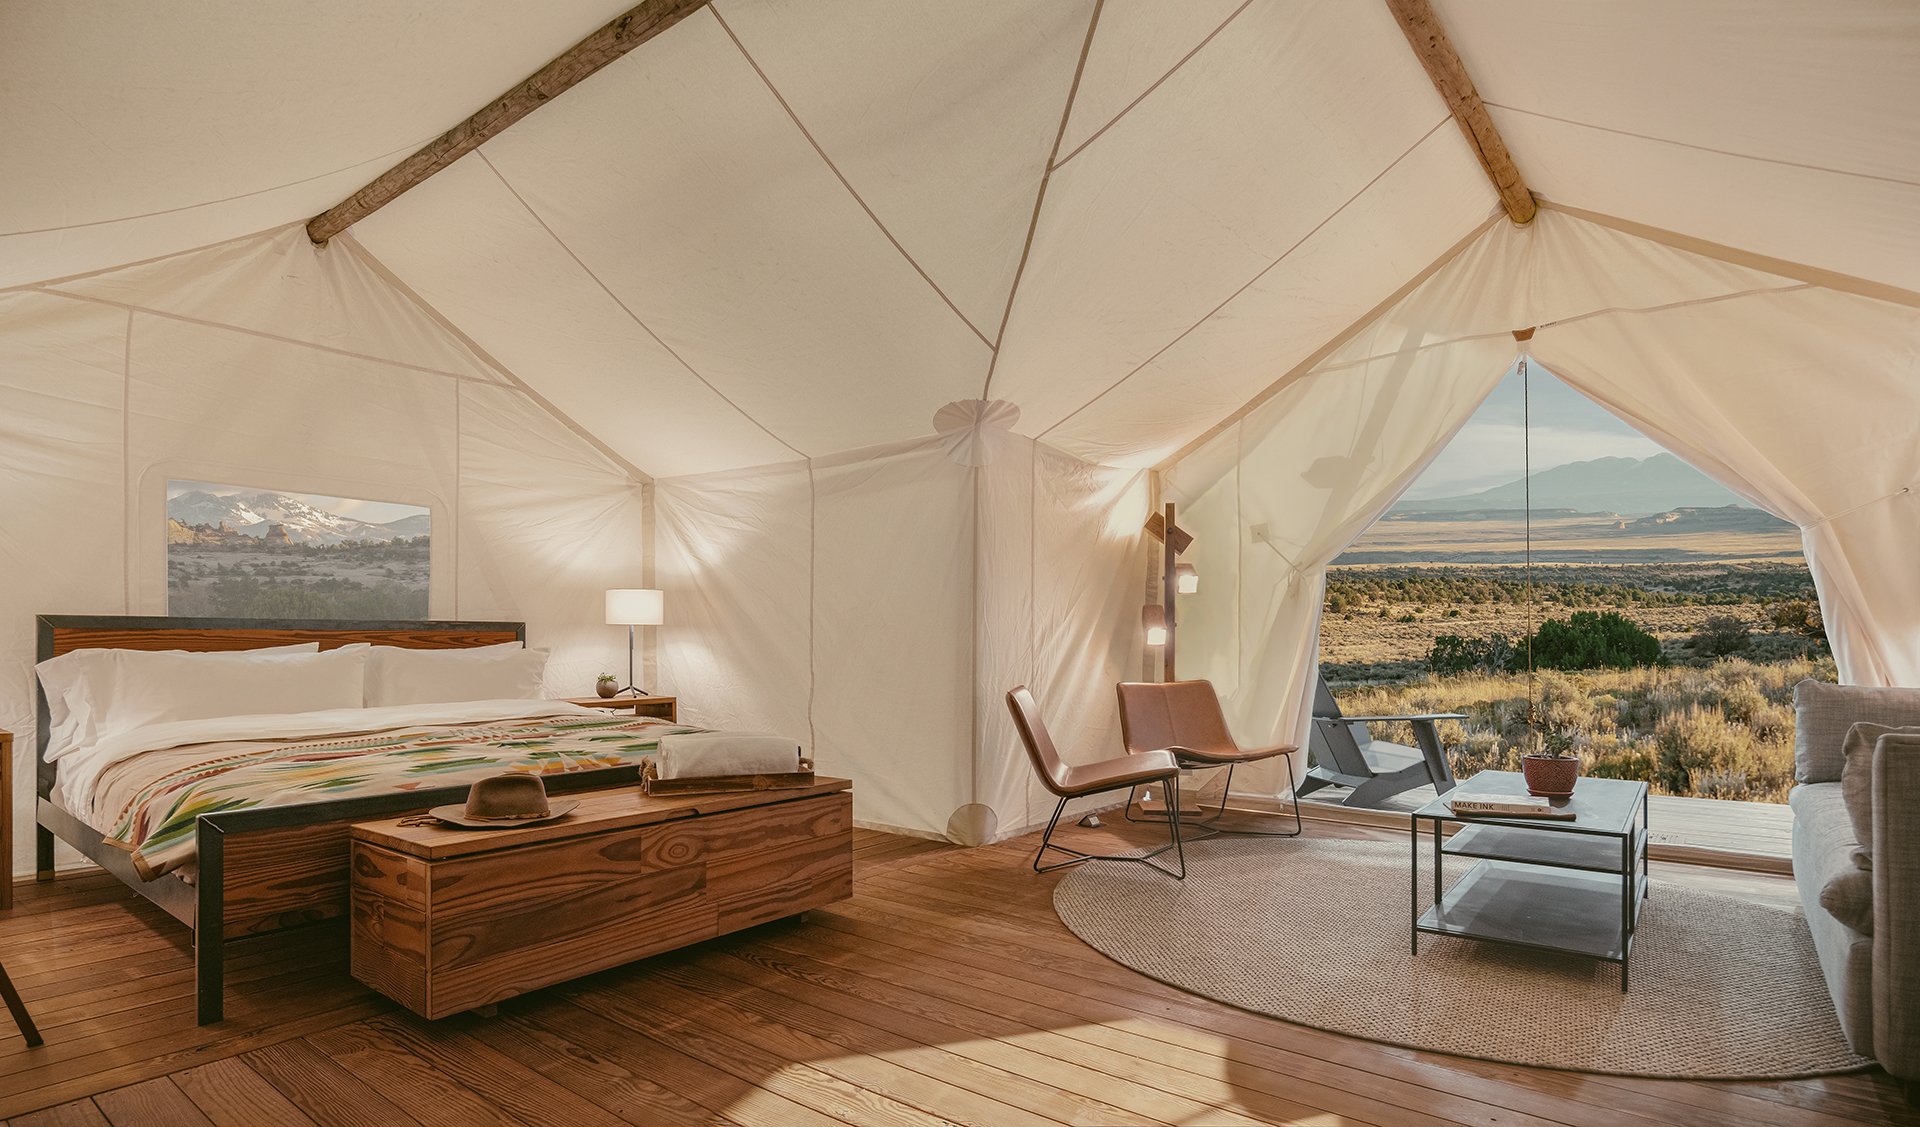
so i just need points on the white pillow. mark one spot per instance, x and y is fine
(509, 671)
(74, 681)
(163, 687)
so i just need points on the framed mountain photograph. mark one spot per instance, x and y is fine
(237, 551)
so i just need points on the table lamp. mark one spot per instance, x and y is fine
(631, 607)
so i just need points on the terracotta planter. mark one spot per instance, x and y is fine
(1550, 776)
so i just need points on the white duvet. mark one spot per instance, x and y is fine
(82, 766)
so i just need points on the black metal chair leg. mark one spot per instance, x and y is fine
(23, 1019)
(1075, 856)
(1214, 827)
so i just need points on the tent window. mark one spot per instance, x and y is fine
(238, 551)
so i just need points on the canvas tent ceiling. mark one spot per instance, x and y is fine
(702, 250)
(783, 231)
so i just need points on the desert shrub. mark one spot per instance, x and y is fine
(1802, 617)
(1742, 702)
(1588, 640)
(1721, 635)
(1796, 615)
(1611, 757)
(1452, 654)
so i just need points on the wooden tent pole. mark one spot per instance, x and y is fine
(1429, 41)
(625, 32)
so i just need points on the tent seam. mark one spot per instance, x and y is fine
(1759, 291)
(1333, 343)
(844, 182)
(243, 330)
(514, 382)
(813, 583)
(1040, 196)
(126, 467)
(608, 290)
(1752, 260)
(459, 476)
(213, 203)
(1707, 148)
(1033, 587)
(1184, 60)
(63, 279)
(1251, 282)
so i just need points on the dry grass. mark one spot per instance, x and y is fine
(1720, 731)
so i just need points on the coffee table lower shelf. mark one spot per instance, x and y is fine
(1549, 909)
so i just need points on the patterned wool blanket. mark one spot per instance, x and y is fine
(149, 803)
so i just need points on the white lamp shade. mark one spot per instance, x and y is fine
(634, 606)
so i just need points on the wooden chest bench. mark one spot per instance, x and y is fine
(446, 920)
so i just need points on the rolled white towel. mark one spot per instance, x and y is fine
(697, 755)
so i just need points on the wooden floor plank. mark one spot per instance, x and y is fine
(730, 1032)
(150, 1102)
(928, 1056)
(630, 1081)
(730, 1083)
(521, 1092)
(328, 1094)
(413, 1085)
(230, 1094)
(78, 1113)
(946, 990)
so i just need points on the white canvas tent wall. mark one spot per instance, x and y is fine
(783, 235)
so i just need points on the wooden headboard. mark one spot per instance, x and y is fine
(64, 633)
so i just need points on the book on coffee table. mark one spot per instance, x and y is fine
(1506, 806)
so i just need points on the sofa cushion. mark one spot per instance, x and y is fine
(1822, 713)
(1848, 894)
(1823, 835)
(1823, 845)
(1856, 782)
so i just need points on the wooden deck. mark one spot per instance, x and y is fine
(945, 991)
(1754, 829)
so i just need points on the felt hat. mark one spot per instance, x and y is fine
(512, 799)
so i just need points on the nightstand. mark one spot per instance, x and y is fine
(665, 708)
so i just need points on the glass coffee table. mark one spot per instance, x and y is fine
(1573, 885)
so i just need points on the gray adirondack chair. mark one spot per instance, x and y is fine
(1345, 754)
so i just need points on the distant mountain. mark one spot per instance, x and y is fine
(254, 514)
(1628, 486)
(1694, 521)
(420, 524)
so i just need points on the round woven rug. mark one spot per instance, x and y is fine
(1316, 932)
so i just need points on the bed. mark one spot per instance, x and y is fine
(238, 833)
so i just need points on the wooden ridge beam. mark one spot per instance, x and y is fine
(1429, 41)
(625, 32)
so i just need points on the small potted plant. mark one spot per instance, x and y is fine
(1551, 771)
(607, 686)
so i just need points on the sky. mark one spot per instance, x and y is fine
(1567, 427)
(373, 512)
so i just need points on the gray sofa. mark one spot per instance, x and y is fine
(1862, 891)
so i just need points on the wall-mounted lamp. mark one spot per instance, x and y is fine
(1154, 618)
(1186, 579)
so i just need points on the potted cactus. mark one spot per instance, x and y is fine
(607, 686)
